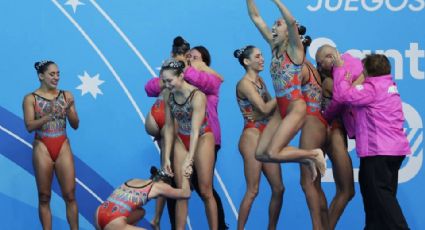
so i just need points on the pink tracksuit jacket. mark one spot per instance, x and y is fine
(355, 67)
(378, 115)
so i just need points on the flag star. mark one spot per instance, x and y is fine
(90, 84)
(74, 4)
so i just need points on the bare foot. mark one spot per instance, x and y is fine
(320, 161)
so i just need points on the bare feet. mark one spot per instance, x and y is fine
(320, 161)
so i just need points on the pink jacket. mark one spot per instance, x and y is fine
(153, 87)
(355, 67)
(208, 84)
(378, 115)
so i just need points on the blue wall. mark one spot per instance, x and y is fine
(123, 42)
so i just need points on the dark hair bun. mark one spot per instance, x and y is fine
(307, 41)
(301, 29)
(154, 171)
(178, 41)
(37, 66)
(160, 174)
(243, 53)
(41, 66)
(237, 53)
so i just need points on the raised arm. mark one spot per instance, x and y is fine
(247, 89)
(295, 45)
(168, 137)
(208, 83)
(201, 66)
(165, 190)
(31, 123)
(71, 112)
(258, 21)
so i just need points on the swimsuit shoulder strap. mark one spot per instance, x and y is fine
(310, 69)
(191, 95)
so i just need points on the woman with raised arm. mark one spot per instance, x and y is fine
(46, 111)
(253, 96)
(287, 60)
(194, 142)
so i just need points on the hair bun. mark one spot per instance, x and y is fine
(237, 53)
(178, 41)
(160, 174)
(37, 66)
(40, 66)
(302, 29)
(307, 41)
(154, 171)
(174, 64)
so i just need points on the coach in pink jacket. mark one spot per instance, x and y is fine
(380, 140)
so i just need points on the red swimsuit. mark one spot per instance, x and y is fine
(122, 202)
(183, 115)
(53, 133)
(286, 81)
(158, 112)
(312, 92)
(247, 108)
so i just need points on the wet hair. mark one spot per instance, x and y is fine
(41, 66)
(172, 64)
(180, 46)
(376, 65)
(305, 39)
(243, 53)
(160, 175)
(205, 54)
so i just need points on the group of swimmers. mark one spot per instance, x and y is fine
(341, 96)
